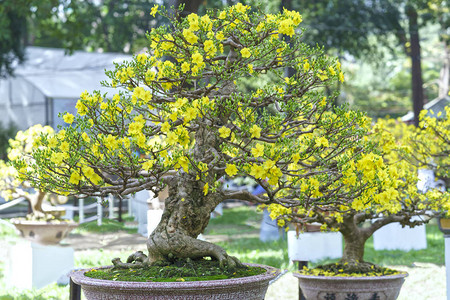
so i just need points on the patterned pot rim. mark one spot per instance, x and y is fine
(44, 223)
(343, 278)
(79, 278)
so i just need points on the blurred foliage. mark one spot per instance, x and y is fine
(6, 133)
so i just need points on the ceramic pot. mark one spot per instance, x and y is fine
(244, 288)
(355, 288)
(44, 233)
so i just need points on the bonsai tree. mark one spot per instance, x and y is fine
(12, 187)
(181, 105)
(431, 142)
(392, 164)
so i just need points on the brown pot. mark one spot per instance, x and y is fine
(245, 288)
(44, 233)
(341, 288)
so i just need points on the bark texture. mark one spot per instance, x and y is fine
(186, 215)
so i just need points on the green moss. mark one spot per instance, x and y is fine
(200, 270)
(350, 270)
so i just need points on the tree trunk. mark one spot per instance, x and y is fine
(186, 215)
(36, 201)
(187, 210)
(353, 248)
(354, 240)
(416, 68)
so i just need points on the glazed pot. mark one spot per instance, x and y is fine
(244, 288)
(342, 288)
(44, 233)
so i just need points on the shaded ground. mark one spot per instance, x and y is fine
(107, 241)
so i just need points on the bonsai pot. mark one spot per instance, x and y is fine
(44, 233)
(341, 288)
(244, 288)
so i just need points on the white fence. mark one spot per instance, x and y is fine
(81, 208)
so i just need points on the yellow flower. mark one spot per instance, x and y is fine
(286, 27)
(241, 8)
(75, 178)
(52, 142)
(255, 131)
(331, 70)
(250, 68)
(184, 163)
(205, 189)
(209, 47)
(68, 118)
(172, 138)
(185, 67)
(91, 175)
(231, 170)
(85, 137)
(57, 158)
(224, 132)
(64, 147)
(306, 66)
(322, 141)
(257, 172)
(190, 114)
(341, 77)
(148, 164)
(197, 58)
(245, 52)
(111, 142)
(193, 22)
(81, 108)
(222, 15)
(190, 36)
(165, 127)
(220, 36)
(258, 150)
(154, 10)
(142, 58)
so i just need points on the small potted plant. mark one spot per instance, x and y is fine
(210, 99)
(44, 224)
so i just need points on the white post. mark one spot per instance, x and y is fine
(81, 209)
(99, 211)
(111, 206)
(447, 262)
(130, 208)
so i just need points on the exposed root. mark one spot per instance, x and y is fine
(134, 261)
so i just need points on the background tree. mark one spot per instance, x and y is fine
(370, 24)
(108, 25)
(11, 187)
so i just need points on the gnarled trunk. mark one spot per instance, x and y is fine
(186, 215)
(354, 239)
(36, 201)
(353, 247)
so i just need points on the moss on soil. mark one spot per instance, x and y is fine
(350, 270)
(181, 270)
